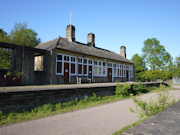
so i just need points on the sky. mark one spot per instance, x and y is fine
(114, 22)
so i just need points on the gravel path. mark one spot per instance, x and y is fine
(99, 120)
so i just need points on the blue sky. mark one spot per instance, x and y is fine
(114, 22)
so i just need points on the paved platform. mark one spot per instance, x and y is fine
(62, 86)
(166, 122)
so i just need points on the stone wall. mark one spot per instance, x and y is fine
(23, 61)
(26, 100)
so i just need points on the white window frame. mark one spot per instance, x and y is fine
(81, 65)
(124, 70)
(100, 66)
(63, 61)
(62, 68)
(87, 67)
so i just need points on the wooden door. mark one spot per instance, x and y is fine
(90, 72)
(66, 72)
(127, 75)
(110, 74)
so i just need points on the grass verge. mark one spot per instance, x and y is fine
(50, 109)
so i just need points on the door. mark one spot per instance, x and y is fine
(66, 72)
(127, 75)
(110, 74)
(90, 72)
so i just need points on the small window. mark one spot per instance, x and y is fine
(66, 58)
(99, 62)
(104, 64)
(59, 57)
(90, 61)
(114, 65)
(85, 61)
(109, 64)
(72, 59)
(79, 60)
(95, 63)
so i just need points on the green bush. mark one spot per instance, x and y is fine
(138, 88)
(147, 109)
(122, 89)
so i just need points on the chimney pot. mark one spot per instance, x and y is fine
(70, 32)
(123, 51)
(91, 39)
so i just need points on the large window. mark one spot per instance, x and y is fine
(124, 70)
(99, 68)
(59, 64)
(114, 70)
(61, 59)
(120, 70)
(80, 67)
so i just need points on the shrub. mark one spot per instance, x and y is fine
(147, 109)
(138, 88)
(122, 89)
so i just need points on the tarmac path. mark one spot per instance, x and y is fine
(99, 120)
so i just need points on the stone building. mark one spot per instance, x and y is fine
(64, 60)
(71, 59)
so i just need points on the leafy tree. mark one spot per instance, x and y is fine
(177, 67)
(21, 35)
(155, 54)
(140, 67)
(3, 36)
(5, 53)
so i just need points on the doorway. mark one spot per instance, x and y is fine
(66, 72)
(110, 74)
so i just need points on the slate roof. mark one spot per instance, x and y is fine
(66, 44)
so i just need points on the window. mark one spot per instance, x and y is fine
(66, 58)
(79, 60)
(99, 68)
(90, 62)
(59, 64)
(73, 59)
(61, 59)
(85, 61)
(80, 66)
(109, 64)
(124, 70)
(59, 67)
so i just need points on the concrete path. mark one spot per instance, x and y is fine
(99, 120)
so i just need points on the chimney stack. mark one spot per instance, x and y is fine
(123, 51)
(70, 32)
(91, 39)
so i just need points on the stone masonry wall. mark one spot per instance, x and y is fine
(26, 100)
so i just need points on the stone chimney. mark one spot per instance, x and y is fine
(91, 39)
(70, 32)
(123, 51)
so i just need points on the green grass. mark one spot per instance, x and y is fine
(51, 109)
(128, 127)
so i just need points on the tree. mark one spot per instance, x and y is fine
(5, 53)
(21, 35)
(155, 54)
(140, 67)
(177, 67)
(3, 36)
